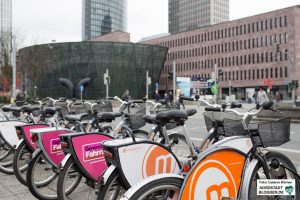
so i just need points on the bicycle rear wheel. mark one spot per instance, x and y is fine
(164, 188)
(41, 179)
(275, 174)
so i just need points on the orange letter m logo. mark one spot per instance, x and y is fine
(218, 191)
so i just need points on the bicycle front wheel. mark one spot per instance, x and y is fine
(279, 173)
(164, 188)
(22, 157)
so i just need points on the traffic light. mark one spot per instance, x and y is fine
(170, 75)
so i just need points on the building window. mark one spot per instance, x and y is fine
(275, 22)
(280, 22)
(271, 24)
(266, 24)
(253, 74)
(271, 73)
(276, 72)
(267, 73)
(285, 20)
(245, 75)
(286, 72)
(281, 73)
(262, 73)
(271, 56)
(257, 73)
(241, 75)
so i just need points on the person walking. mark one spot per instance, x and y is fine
(261, 97)
(156, 96)
(171, 97)
(277, 97)
(180, 100)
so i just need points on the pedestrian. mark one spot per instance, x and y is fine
(180, 100)
(277, 97)
(171, 97)
(281, 96)
(156, 96)
(126, 97)
(167, 100)
(261, 97)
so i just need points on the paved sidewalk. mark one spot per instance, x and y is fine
(12, 189)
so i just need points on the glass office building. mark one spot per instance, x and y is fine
(5, 25)
(100, 17)
(43, 65)
(185, 15)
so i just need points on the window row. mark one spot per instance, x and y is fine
(227, 47)
(256, 58)
(258, 26)
(254, 74)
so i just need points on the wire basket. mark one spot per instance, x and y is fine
(271, 134)
(231, 123)
(135, 115)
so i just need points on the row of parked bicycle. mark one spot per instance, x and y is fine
(67, 149)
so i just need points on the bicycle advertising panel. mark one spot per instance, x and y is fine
(215, 177)
(8, 132)
(89, 152)
(51, 143)
(149, 159)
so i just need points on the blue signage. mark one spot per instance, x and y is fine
(81, 88)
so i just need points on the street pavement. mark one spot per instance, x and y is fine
(11, 189)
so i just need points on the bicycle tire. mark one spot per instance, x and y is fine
(112, 184)
(161, 186)
(6, 164)
(252, 195)
(35, 187)
(4, 150)
(62, 193)
(20, 172)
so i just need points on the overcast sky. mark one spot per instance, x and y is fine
(41, 21)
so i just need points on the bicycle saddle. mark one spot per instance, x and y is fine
(175, 115)
(151, 119)
(191, 112)
(51, 110)
(30, 109)
(107, 116)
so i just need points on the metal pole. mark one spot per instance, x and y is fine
(174, 81)
(216, 81)
(147, 91)
(230, 91)
(13, 63)
(81, 95)
(107, 85)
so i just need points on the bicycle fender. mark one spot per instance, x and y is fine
(247, 178)
(107, 173)
(65, 160)
(19, 143)
(136, 187)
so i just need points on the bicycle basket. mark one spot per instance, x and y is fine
(135, 115)
(231, 123)
(272, 134)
